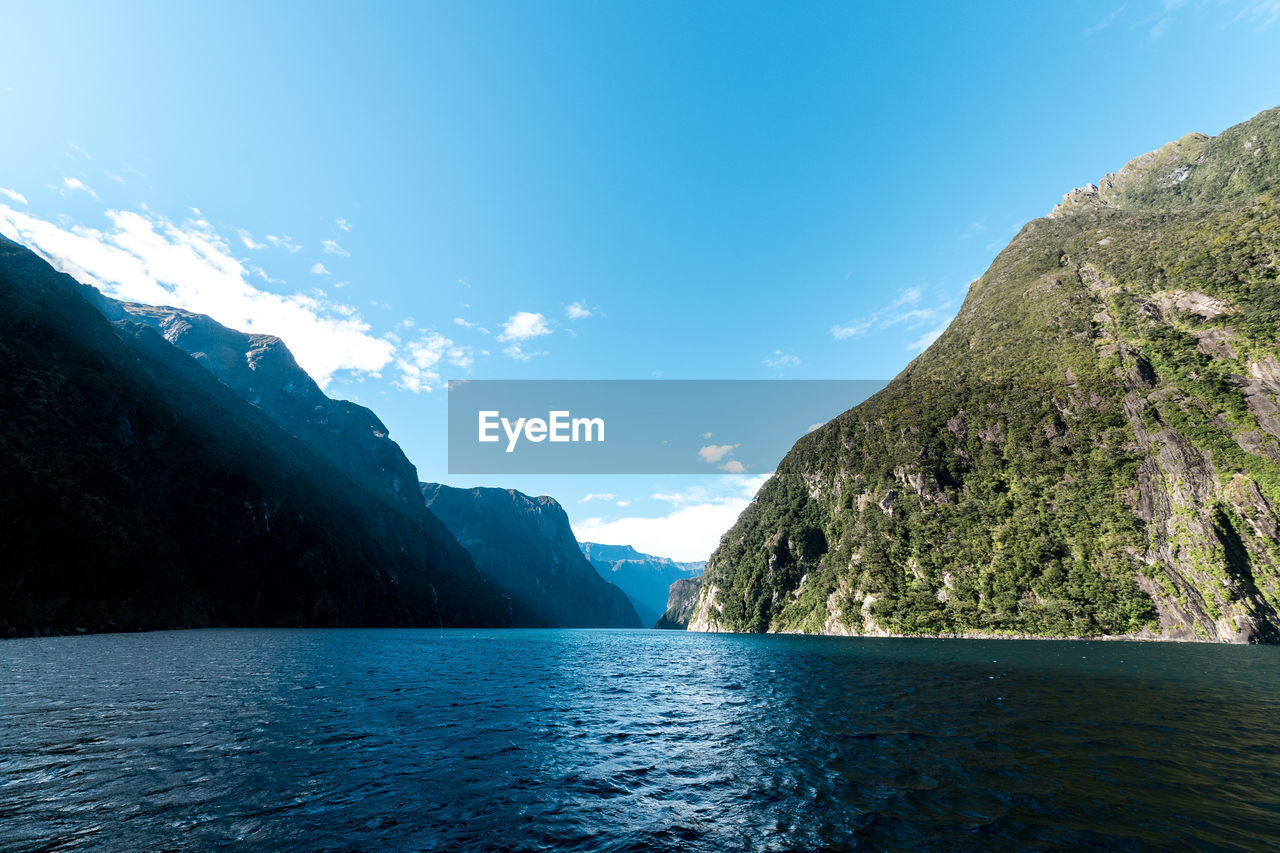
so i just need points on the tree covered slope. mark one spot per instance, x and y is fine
(1091, 448)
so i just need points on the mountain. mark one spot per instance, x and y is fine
(138, 491)
(262, 371)
(1091, 448)
(682, 604)
(645, 579)
(526, 546)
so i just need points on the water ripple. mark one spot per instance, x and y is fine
(632, 741)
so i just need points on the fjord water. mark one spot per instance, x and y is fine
(632, 740)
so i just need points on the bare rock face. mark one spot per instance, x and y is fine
(682, 603)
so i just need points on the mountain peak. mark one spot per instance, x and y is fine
(1196, 170)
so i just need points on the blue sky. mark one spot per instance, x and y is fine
(588, 190)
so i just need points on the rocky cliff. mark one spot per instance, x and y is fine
(138, 491)
(262, 371)
(1091, 448)
(645, 579)
(682, 604)
(526, 546)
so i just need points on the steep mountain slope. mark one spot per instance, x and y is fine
(137, 491)
(645, 579)
(262, 371)
(526, 546)
(1091, 448)
(682, 604)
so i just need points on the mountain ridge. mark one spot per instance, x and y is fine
(140, 492)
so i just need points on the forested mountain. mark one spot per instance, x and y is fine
(1091, 448)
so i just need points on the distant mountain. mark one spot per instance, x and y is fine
(1092, 447)
(138, 491)
(682, 603)
(645, 579)
(526, 546)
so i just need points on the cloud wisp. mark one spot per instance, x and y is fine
(141, 257)
(906, 311)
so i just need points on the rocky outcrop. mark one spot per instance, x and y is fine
(526, 547)
(682, 602)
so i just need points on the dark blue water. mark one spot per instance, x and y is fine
(632, 740)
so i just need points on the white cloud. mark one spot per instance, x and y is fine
(285, 242)
(974, 229)
(146, 258)
(13, 196)
(466, 324)
(733, 466)
(318, 269)
(706, 435)
(713, 453)
(247, 239)
(331, 247)
(691, 531)
(812, 427)
(851, 330)
(523, 325)
(624, 503)
(342, 223)
(781, 360)
(577, 310)
(419, 362)
(1106, 21)
(902, 311)
(1263, 13)
(603, 496)
(927, 338)
(519, 354)
(71, 185)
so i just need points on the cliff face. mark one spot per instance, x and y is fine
(526, 546)
(645, 579)
(682, 604)
(137, 491)
(262, 371)
(1091, 448)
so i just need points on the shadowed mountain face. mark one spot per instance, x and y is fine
(138, 491)
(526, 546)
(645, 579)
(262, 371)
(1091, 448)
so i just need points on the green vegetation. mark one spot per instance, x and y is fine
(1092, 447)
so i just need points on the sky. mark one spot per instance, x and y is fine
(507, 190)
